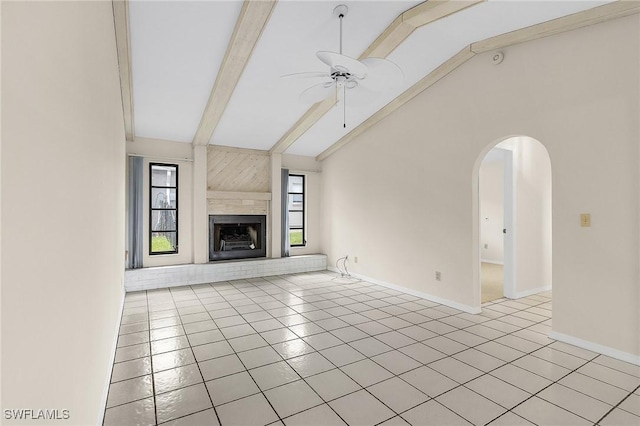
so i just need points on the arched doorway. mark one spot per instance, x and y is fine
(512, 213)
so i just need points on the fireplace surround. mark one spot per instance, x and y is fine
(237, 236)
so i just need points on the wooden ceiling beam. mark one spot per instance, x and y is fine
(596, 15)
(123, 47)
(588, 17)
(251, 22)
(391, 37)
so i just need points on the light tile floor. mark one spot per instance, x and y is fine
(305, 350)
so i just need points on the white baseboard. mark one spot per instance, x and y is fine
(495, 262)
(595, 347)
(537, 290)
(430, 297)
(105, 393)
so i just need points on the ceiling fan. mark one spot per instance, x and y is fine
(372, 75)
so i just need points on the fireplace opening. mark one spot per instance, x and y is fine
(237, 236)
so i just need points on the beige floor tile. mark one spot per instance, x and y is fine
(397, 394)
(366, 372)
(230, 388)
(321, 415)
(181, 402)
(332, 384)
(619, 417)
(140, 412)
(292, 398)
(206, 417)
(433, 413)
(576, 402)
(498, 391)
(252, 410)
(543, 413)
(129, 390)
(470, 405)
(429, 381)
(360, 408)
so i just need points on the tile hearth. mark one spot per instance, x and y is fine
(305, 350)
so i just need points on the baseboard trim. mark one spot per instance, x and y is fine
(430, 297)
(532, 291)
(105, 393)
(595, 347)
(494, 262)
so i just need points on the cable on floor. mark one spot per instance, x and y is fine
(345, 277)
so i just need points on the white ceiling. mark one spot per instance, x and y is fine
(177, 48)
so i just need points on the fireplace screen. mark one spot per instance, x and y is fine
(237, 236)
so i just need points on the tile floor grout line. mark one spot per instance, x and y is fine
(553, 382)
(153, 381)
(246, 370)
(201, 375)
(284, 384)
(315, 289)
(618, 404)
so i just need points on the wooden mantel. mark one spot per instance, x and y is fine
(238, 195)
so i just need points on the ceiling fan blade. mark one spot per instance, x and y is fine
(307, 75)
(360, 96)
(318, 92)
(343, 63)
(383, 75)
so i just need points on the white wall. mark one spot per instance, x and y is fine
(533, 215)
(311, 169)
(162, 151)
(409, 181)
(63, 175)
(491, 195)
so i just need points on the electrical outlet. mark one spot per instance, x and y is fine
(438, 276)
(355, 259)
(585, 220)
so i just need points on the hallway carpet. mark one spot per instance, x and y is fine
(492, 282)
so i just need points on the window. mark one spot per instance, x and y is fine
(163, 208)
(296, 211)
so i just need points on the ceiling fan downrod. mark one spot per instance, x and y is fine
(340, 11)
(342, 79)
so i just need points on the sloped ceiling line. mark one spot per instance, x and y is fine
(123, 46)
(251, 22)
(391, 37)
(593, 16)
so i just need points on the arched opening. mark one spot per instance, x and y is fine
(512, 214)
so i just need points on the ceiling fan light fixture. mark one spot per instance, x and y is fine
(345, 73)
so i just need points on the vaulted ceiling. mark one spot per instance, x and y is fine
(209, 72)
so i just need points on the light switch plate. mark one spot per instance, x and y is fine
(585, 220)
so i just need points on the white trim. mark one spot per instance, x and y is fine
(105, 393)
(537, 290)
(160, 157)
(436, 299)
(595, 347)
(493, 262)
(510, 191)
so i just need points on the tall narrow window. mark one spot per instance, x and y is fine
(163, 208)
(296, 211)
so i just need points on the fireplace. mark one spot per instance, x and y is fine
(237, 236)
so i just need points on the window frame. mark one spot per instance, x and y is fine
(153, 209)
(301, 210)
